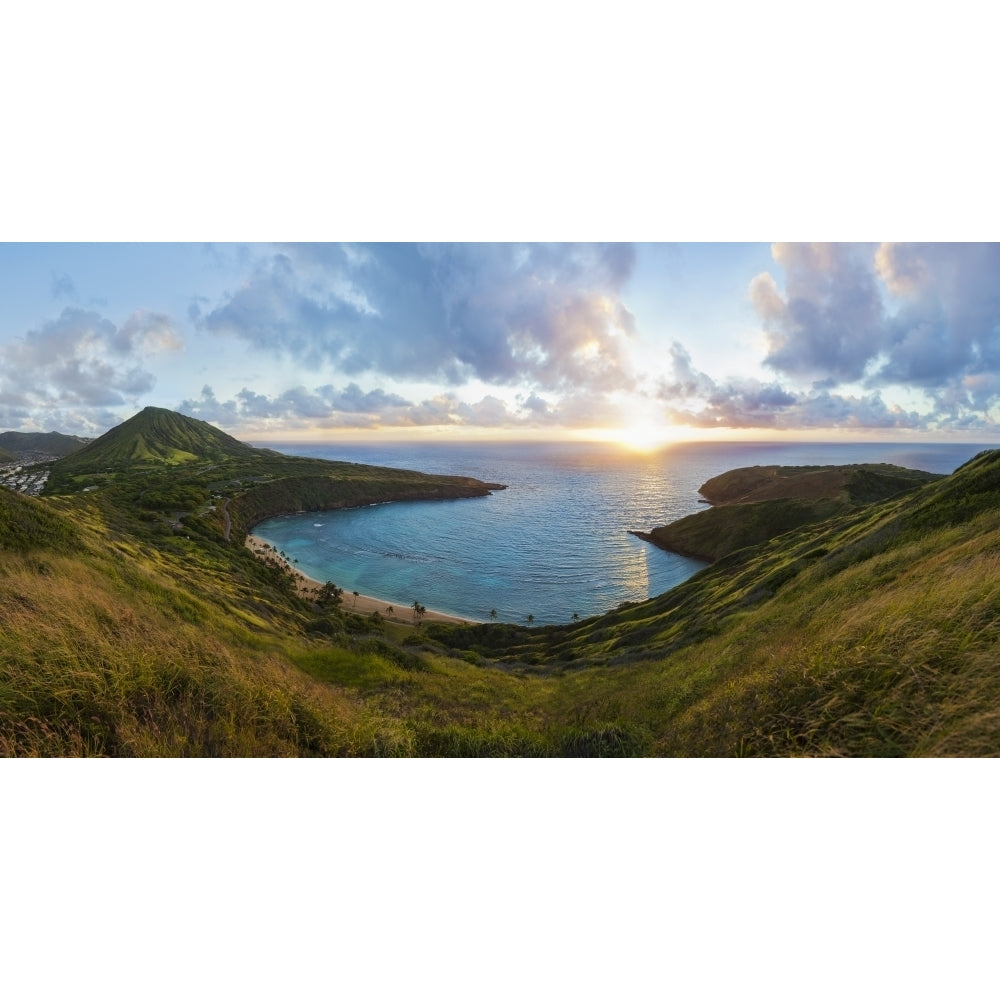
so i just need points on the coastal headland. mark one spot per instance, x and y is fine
(755, 504)
(133, 623)
(190, 476)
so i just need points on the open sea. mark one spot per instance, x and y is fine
(553, 544)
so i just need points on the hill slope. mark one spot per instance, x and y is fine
(755, 504)
(153, 437)
(874, 632)
(27, 524)
(55, 444)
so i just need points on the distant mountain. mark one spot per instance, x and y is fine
(53, 443)
(154, 437)
(7, 456)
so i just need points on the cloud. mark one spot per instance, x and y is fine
(194, 307)
(209, 408)
(830, 323)
(551, 315)
(302, 404)
(686, 381)
(82, 359)
(947, 326)
(145, 333)
(63, 287)
(750, 403)
(915, 315)
(351, 407)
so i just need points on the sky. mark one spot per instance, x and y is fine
(141, 188)
(640, 343)
(159, 133)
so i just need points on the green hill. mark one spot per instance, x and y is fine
(164, 468)
(153, 437)
(755, 504)
(53, 443)
(872, 632)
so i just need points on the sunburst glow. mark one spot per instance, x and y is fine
(643, 435)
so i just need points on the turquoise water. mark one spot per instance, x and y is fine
(553, 544)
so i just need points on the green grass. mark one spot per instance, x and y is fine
(27, 524)
(760, 503)
(873, 632)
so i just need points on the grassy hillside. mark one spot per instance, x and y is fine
(762, 502)
(26, 524)
(165, 468)
(52, 443)
(152, 438)
(873, 632)
(861, 483)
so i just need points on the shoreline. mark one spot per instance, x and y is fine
(363, 604)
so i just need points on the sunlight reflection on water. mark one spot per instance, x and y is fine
(556, 541)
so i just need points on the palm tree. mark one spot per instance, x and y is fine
(576, 617)
(493, 613)
(356, 596)
(531, 619)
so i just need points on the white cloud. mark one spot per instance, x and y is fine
(551, 316)
(82, 360)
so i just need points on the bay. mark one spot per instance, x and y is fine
(555, 543)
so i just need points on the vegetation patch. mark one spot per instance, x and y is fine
(133, 622)
(756, 504)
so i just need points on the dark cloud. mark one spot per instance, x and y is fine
(353, 399)
(12, 414)
(830, 321)
(502, 313)
(537, 406)
(916, 315)
(948, 323)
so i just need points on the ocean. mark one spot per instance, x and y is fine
(555, 543)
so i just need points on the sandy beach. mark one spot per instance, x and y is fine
(362, 604)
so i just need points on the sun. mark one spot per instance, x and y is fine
(644, 435)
